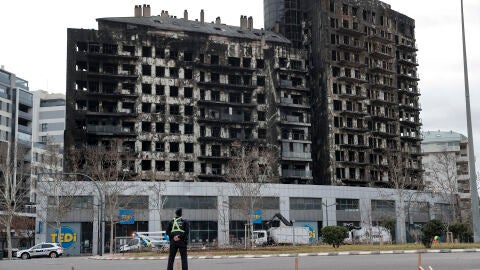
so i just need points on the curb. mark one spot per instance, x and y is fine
(249, 256)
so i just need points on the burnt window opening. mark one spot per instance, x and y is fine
(160, 90)
(216, 150)
(160, 108)
(345, 9)
(173, 91)
(296, 82)
(215, 78)
(174, 166)
(260, 98)
(174, 147)
(129, 49)
(146, 88)
(173, 72)
(260, 63)
(110, 49)
(146, 107)
(159, 71)
(260, 81)
(335, 71)
(188, 148)
(146, 165)
(332, 6)
(81, 47)
(214, 60)
(159, 146)
(146, 126)
(109, 68)
(215, 95)
(234, 61)
(261, 116)
(235, 97)
(173, 55)
(202, 76)
(94, 67)
(146, 146)
(247, 80)
(282, 62)
(188, 56)
(94, 47)
(81, 66)
(160, 52)
(146, 51)
(188, 74)
(147, 70)
(216, 132)
(93, 86)
(81, 85)
(174, 109)
(188, 92)
(108, 87)
(354, 11)
(174, 128)
(234, 79)
(128, 69)
(201, 58)
(188, 111)
(160, 127)
(160, 165)
(188, 166)
(262, 133)
(188, 129)
(337, 105)
(129, 87)
(247, 62)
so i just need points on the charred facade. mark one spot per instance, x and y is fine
(364, 81)
(175, 96)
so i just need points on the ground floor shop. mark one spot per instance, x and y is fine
(217, 216)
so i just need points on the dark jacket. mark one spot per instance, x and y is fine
(183, 224)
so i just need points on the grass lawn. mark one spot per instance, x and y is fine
(308, 249)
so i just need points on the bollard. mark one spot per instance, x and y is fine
(178, 265)
(296, 263)
(419, 264)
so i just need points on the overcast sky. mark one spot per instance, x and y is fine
(34, 33)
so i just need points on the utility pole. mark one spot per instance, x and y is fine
(471, 152)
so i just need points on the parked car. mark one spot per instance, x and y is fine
(52, 250)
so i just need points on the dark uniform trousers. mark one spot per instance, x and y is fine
(174, 247)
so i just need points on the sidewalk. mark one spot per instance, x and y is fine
(341, 253)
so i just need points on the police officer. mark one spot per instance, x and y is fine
(177, 231)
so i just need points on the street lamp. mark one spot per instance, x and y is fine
(326, 209)
(100, 195)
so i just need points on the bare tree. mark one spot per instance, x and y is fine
(249, 170)
(159, 189)
(103, 163)
(442, 170)
(15, 175)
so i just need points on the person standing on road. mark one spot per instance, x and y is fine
(177, 231)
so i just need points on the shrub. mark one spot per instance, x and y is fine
(334, 235)
(461, 231)
(430, 230)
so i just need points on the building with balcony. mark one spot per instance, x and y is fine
(180, 95)
(445, 159)
(364, 82)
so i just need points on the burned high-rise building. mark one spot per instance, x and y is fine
(175, 96)
(364, 81)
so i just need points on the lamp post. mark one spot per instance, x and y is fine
(471, 152)
(101, 224)
(326, 209)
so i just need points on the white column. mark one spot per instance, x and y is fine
(95, 247)
(365, 212)
(223, 221)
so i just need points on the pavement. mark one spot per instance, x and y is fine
(340, 253)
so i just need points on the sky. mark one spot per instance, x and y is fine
(34, 38)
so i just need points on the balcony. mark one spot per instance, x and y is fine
(115, 94)
(350, 31)
(408, 46)
(224, 68)
(408, 62)
(354, 145)
(297, 156)
(382, 117)
(112, 113)
(381, 85)
(352, 96)
(204, 102)
(408, 76)
(381, 69)
(411, 136)
(380, 38)
(382, 102)
(381, 55)
(294, 102)
(107, 75)
(351, 48)
(216, 157)
(225, 86)
(296, 174)
(25, 115)
(351, 112)
(412, 122)
(410, 91)
(287, 84)
(294, 120)
(354, 129)
(236, 119)
(349, 79)
(384, 133)
(110, 130)
(25, 129)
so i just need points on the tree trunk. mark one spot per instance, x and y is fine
(401, 223)
(59, 232)
(9, 238)
(112, 224)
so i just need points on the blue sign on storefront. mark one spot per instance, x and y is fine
(126, 216)
(257, 217)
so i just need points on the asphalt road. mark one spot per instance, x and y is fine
(444, 261)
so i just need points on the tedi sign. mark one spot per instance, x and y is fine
(67, 236)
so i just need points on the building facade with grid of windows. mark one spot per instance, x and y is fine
(177, 96)
(364, 79)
